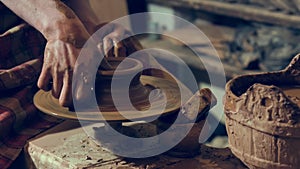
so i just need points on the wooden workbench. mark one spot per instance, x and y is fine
(68, 146)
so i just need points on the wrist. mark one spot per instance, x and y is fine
(70, 31)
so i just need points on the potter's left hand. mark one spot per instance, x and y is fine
(110, 39)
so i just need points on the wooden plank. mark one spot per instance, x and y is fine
(241, 11)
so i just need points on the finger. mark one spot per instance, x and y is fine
(107, 47)
(119, 50)
(58, 70)
(65, 98)
(65, 95)
(118, 45)
(45, 78)
(57, 83)
(45, 75)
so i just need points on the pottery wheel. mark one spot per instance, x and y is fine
(49, 105)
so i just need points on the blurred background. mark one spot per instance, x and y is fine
(249, 36)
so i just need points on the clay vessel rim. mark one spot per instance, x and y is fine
(279, 78)
(134, 67)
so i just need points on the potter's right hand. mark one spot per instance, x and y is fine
(60, 56)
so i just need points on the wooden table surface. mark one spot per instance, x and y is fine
(68, 146)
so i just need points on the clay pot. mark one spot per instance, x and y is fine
(263, 117)
(130, 85)
(129, 69)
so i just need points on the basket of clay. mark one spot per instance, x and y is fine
(263, 117)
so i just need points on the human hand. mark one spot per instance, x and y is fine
(60, 63)
(128, 44)
(57, 70)
(111, 38)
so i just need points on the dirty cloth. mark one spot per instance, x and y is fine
(21, 51)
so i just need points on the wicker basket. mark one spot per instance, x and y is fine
(262, 120)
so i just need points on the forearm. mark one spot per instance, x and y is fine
(51, 17)
(86, 14)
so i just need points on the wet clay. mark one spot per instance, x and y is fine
(64, 9)
(268, 103)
